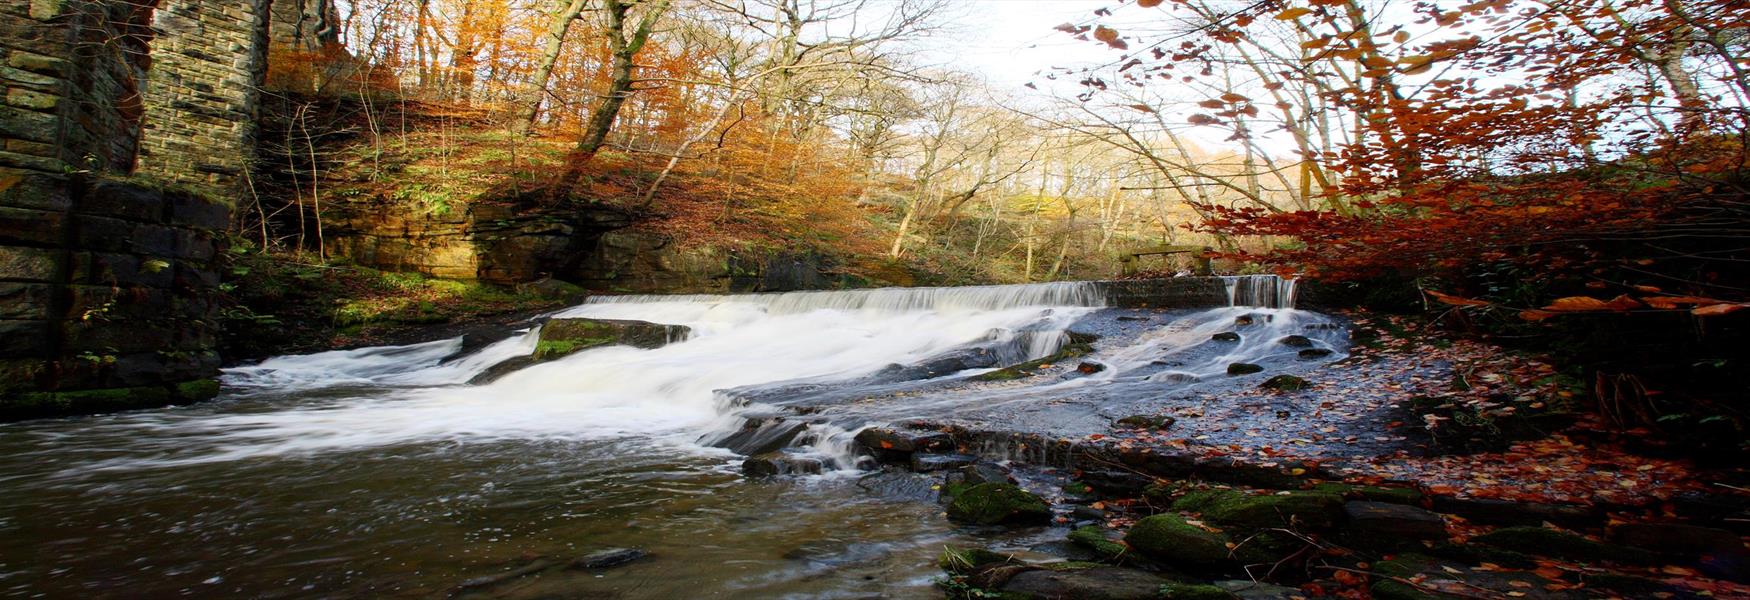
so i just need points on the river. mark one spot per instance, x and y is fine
(380, 472)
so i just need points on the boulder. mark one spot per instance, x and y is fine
(1678, 539)
(612, 557)
(1090, 368)
(1285, 383)
(905, 441)
(983, 472)
(1094, 538)
(1296, 341)
(1301, 511)
(781, 463)
(1381, 522)
(1190, 591)
(1244, 369)
(998, 504)
(760, 436)
(1157, 422)
(1095, 583)
(1394, 495)
(1253, 590)
(1543, 541)
(562, 337)
(1168, 538)
(1503, 512)
(505, 367)
(962, 561)
(1225, 336)
(925, 462)
(1310, 353)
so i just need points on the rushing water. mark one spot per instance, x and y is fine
(380, 472)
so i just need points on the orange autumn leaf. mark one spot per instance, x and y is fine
(1455, 300)
(1714, 310)
(1293, 13)
(1678, 301)
(1577, 304)
(1535, 315)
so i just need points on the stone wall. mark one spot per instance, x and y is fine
(73, 72)
(106, 295)
(201, 92)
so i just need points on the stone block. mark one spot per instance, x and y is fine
(27, 301)
(23, 338)
(30, 227)
(27, 264)
(124, 201)
(34, 162)
(119, 337)
(28, 124)
(117, 235)
(37, 63)
(111, 268)
(194, 211)
(23, 98)
(196, 245)
(26, 189)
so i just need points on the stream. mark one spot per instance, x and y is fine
(380, 472)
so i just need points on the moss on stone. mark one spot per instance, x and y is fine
(1561, 544)
(1285, 383)
(1295, 510)
(1094, 538)
(551, 349)
(38, 404)
(197, 390)
(1026, 369)
(1393, 495)
(1191, 591)
(1170, 539)
(998, 503)
(961, 561)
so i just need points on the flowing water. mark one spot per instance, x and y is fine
(380, 472)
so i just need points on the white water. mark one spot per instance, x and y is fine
(407, 394)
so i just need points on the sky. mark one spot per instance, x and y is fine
(1008, 41)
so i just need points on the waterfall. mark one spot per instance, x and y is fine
(970, 298)
(1263, 291)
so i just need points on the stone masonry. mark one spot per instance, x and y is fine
(125, 131)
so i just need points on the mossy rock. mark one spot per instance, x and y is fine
(1026, 369)
(998, 504)
(1476, 554)
(962, 561)
(1543, 541)
(562, 337)
(1162, 495)
(1285, 383)
(1147, 422)
(1305, 511)
(1168, 538)
(1244, 369)
(197, 390)
(1394, 495)
(1191, 591)
(1094, 538)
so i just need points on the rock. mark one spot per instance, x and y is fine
(1157, 422)
(1315, 353)
(925, 463)
(505, 367)
(998, 504)
(984, 472)
(1094, 538)
(762, 436)
(612, 557)
(562, 337)
(781, 463)
(1253, 590)
(1553, 543)
(1087, 513)
(1188, 591)
(1090, 368)
(1678, 539)
(1301, 511)
(966, 560)
(1394, 495)
(1503, 512)
(1436, 574)
(1391, 523)
(1296, 341)
(1244, 369)
(1225, 336)
(1285, 383)
(1476, 554)
(1281, 475)
(1168, 538)
(903, 441)
(1097, 583)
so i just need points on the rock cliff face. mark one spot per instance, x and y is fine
(598, 247)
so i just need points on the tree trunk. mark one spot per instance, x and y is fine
(565, 11)
(601, 120)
